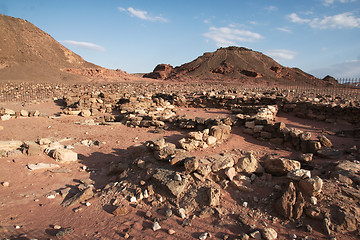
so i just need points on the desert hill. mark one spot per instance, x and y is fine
(29, 54)
(232, 64)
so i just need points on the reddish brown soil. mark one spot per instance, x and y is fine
(24, 204)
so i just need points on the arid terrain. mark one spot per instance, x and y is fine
(217, 148)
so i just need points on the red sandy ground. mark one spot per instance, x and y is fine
(23, 203)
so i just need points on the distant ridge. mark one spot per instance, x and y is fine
(29, 54)
(237, 64)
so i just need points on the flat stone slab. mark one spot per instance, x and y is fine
(38, 166)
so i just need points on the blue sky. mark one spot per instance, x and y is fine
(319, 36)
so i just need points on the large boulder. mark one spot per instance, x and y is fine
(220, 132)
(291, 203)
(220, 162)
(248, 164)
(280, 166)
(311, 186)
(64, 155)
(165, 180)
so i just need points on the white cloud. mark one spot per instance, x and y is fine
(339, 21)
(227, 36)
(281, 54)
(271, 8)
(343, 20)
(347, 69)
(142, 14)
(296, 19)
(284, 29)
(84, 45)
(330, 2)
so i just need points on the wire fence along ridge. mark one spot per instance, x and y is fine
(23, 92)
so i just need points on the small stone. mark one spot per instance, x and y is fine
(203, 236)
(51, 196)
(63, 232)
(182, 213)
(245, 204)
(88, 204)
(299, 174)
(171, 231)
(156, 226)
(230, 173)
(168, 212)
(306, 157)
(57, 227)
(177, 177)
(121, 211)
(211, 140)
(244, 236)
(269, 234)
(256, 235)
(292, 236)
(5, 184)
(146, 193)
(313, 200)
(133, 199)
(308, 228)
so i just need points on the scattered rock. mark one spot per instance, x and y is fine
(280, 166)
(290, 205)
(311, 186)
(121, 210)
(78, 197)
(269, 234)
(299, 174)
(203, 236)
(325, 142)
(64, 232)
(191, 164)
(156, 226)
(38, 166)
(222, 161)
(5, 184)
(221, 132)
(64, 155)
(248, 164)
(164, 178)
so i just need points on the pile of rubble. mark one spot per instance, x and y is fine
(7, 114)
(60, 153)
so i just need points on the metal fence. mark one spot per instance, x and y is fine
(348, 88)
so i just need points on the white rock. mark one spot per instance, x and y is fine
(5, 184)
(133, 199)
(203, 236)
(177, 177)
(5, 117)
(156, 226)
(182, 213)
(313, 200)
(38, 166)
(269, 234)
(64, 155)
(211, 140)
(146, 193)
(299, 174)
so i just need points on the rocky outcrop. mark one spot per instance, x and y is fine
(161, 71)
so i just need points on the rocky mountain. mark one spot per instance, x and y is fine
(233, 64)
(29, 54)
